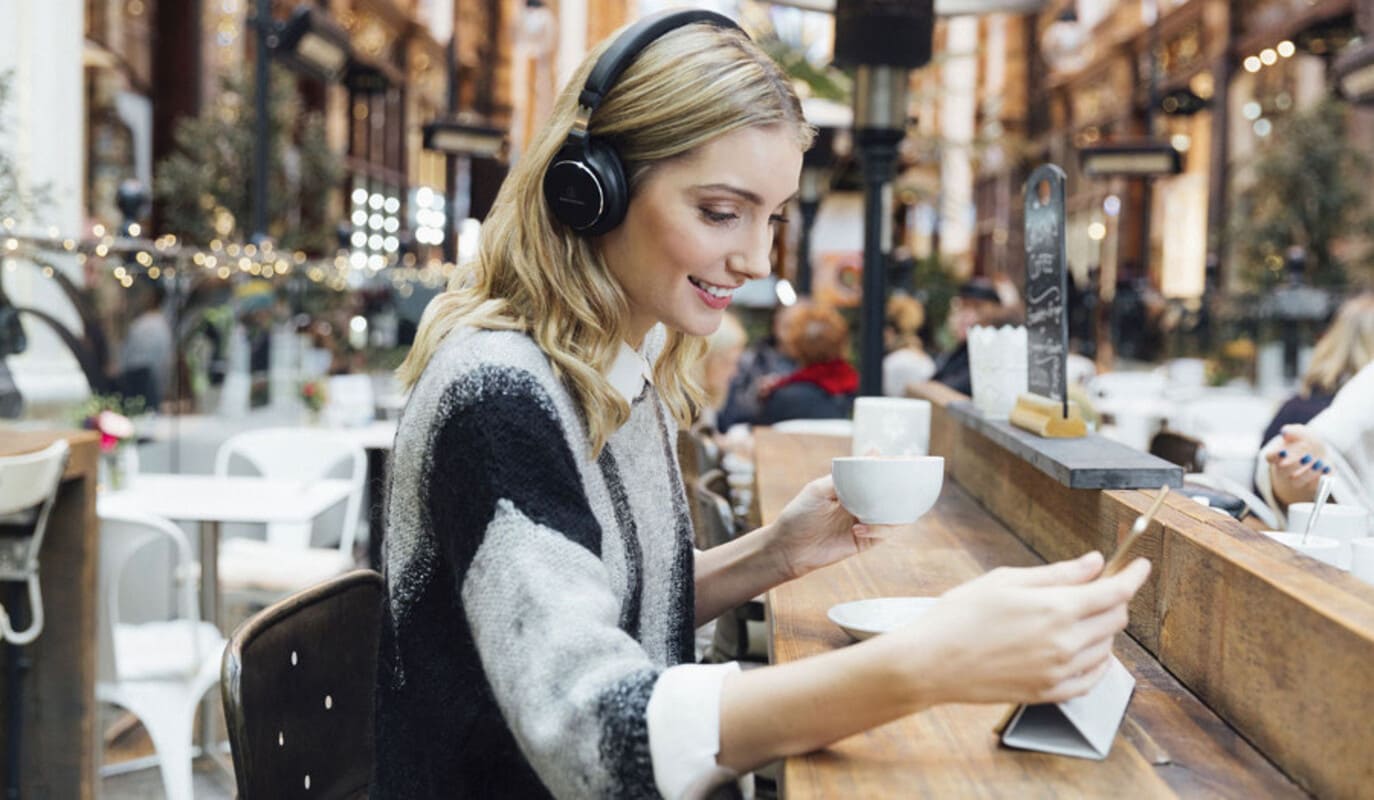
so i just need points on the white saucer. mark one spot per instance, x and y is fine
(864, 618)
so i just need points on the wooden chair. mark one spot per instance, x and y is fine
(298, 683)
(739, 633)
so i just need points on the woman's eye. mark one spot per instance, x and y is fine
(778, 219)
(718, 217)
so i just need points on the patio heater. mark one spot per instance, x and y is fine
(883, 41)
(307, 42)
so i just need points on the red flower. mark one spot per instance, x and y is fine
(108, 443)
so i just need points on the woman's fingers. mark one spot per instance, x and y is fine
(1061, 573)
(1077, 685)
(1105, 594)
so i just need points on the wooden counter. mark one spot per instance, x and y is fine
(1170, 744)
(60, 747)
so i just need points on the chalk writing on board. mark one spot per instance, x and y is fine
(1046, 283)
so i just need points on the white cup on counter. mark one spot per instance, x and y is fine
(1344, 523)
(891, 426)
(1362, 559)
(1323, 548)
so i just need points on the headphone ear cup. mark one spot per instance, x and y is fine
(576, 194)
(604, 162)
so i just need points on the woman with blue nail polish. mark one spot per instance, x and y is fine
(1338, 442)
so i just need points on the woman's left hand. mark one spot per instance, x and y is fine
(814, 530)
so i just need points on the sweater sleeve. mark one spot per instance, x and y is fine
(508, 505)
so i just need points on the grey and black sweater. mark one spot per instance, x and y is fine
(535, 596)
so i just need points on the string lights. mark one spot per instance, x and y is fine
(165, 255)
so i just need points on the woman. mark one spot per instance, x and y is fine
(1342, 351)
(542, 587)
(1326, 425)
(824, 384)
(906, 361)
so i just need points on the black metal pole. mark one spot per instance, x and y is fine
(809, 208)
(451, 160)
(262, 23)
(878, 153)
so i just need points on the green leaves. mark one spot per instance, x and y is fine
(1306, 188)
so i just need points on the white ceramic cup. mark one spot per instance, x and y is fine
(1362, 559)
(888, 490)
(1323, 548)
(1344, 523)
(891, 426)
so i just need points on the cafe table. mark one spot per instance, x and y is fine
(210, 501)
(1170, 743)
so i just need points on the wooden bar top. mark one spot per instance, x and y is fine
(1169, 745)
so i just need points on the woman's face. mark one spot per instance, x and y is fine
(701, 225)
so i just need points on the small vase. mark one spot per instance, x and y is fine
(111, 471)
(117, 468)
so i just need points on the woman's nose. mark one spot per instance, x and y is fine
(752, 265)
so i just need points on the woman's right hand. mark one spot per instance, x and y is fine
(1296, 465)
(1023, 635)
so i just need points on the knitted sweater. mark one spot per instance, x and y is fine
(537, 599)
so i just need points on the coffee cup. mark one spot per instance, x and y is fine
(893, 490)
(1323, 548)
(1337, 520)
(1344, 523)
(891, 426)
(1362, 559)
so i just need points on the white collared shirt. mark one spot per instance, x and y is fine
(630, 372)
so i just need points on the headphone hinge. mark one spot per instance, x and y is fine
(580, 122)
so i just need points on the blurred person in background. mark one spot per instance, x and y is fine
(977, 302)
(718, 366)
(824, 384)
(906, 361)
(145, 360)
(1340, 353)
(1339, 440)
(761, 365)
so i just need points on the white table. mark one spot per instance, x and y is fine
(379, 435)
(210, 501)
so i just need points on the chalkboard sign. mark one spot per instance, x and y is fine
(1047, 317)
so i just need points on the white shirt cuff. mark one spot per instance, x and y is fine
(684, 731)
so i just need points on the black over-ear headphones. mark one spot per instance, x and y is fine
(585, 185)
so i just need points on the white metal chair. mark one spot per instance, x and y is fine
(286, 561)
(28, 488)
(158, 670)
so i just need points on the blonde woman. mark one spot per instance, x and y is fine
(1329, 425)
(542, 586)
(906, 361)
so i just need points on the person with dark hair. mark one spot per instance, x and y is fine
(145, 362)
(976, 303)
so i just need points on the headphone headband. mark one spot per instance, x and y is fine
(586, 185)
(627, 46)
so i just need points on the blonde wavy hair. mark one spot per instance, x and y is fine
(1345, 348)
(533, 274)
